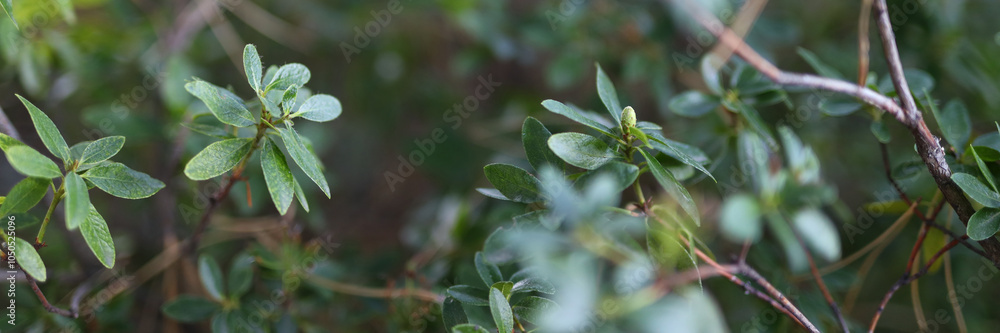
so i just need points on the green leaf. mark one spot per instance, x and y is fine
(581, 150)
(514, 183)
(821, 68)
(505, 287)
(47, 131)
(252, 67)
(533, 308)
(218, 158)
(240, 275)
(304, 158)
(880, 131)
(95, 231)
(300, 195)
(288, 98)
(623, 173)
(7, 142)
(566, 111)
(693, 104)
(25, 195)
(468, 328)
(757, 124)
(684, 153)
(535, 138)
(119, 180)
(710, 72)
(492, 193)
(190, 308)
(102, 149)
(984, 224)
(280, 182)
(320, 108)
(211, 276)
(9, 9)
(672, 186)
(740, 219)
(954, 122)
(489, 272)
(985, 170)
(839, 106)
(452, 313)
(222, 103)
(818, 233)
(609, 96)
(31, 163)
(468, 295)
(289, 75)
(77, 201)
(533, 284)
(502, 314)
(29, 260)
(976, 189)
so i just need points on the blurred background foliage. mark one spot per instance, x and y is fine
(117, 67)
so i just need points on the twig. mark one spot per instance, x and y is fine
(927, 145)
(384, 293)
(864, 45)
(952, 295)
(822, 286)
(907, 278)
(45, 302)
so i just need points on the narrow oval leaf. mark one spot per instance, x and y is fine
(190, 308)
(25, 195)
(468, 295)
(740, 219)
(681, 153)
(452, 313)
(102, 149)
(954, 122)
(581, 150)
(672, 186)
(119, 180)
(289, 75)
(976, 189)
(693, 104)
(502, 314)
(819, 233)
(31, 163)
(609, 96)
(984, 169)
(211, 276)
(489, 272)
(218, 158)
(77, 203)
(533, 308)
(300, 195)
(305, 159)
(320, 108)
(95, 231)
(240, 276)
(29, 260)
(280, 183)
(566, 111)
(534, 284)
(47, 131)
(839, 106)
(252, 67)
(9, 9)
(514, 183)
(984, 224)
(535, 139)
(223, 105)
(821, 68)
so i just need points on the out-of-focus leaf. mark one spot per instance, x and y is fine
(211, 276)
(190, 308)
(623, 173)
(821, 68)
(818, 232)
(672, 186)
(954, 122)
(513, 183)
(740, 219)
(693, 104)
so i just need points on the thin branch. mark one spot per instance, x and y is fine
(927, 144)
(384, 293)
(45, 302)
(864, 19)
(822, 286)
(952, 295)
(907, 278)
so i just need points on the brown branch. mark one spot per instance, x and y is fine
(907, 278)
(45, 302)
(213, 204)
(928, 145)
(822, 285)
(385, 293)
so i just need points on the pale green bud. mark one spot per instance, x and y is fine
(628, 118)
